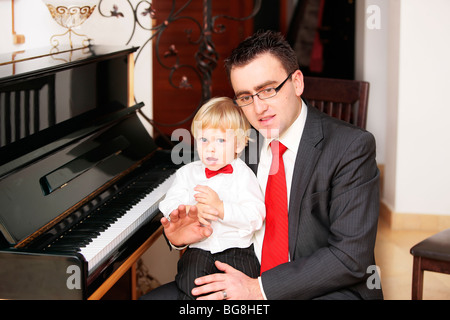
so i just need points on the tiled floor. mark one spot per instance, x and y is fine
(395, 262)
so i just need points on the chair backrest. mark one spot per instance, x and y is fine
(343, 99)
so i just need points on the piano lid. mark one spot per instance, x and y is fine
(39, 89)
(18, 65)
(45, 189)
(66, 134)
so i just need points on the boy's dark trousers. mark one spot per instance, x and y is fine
(195, 263)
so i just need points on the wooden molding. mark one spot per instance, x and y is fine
(131, 80)
(413, 221)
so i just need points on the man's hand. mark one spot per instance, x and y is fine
(236, 284)
(184, 228)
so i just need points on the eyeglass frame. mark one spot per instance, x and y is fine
(278, 88)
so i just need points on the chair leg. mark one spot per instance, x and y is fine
(417, 279)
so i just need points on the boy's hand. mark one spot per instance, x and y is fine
(206, 214)
(208, 197)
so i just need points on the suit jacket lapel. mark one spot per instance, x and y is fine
(252, 151)
(305, 162)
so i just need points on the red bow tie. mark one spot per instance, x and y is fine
(210, 173)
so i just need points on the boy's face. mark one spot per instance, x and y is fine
(216, 147)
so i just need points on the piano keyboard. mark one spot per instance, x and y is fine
(114, 222)
(96, 251)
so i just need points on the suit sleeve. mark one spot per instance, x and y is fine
(352, 208)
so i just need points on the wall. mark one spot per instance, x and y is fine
(423, 159)
(371, 66)
(407, 64)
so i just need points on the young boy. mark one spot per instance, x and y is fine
(225, 192)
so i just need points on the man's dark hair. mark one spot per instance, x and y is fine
(259, 43)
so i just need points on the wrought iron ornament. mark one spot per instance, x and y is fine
(205, 58)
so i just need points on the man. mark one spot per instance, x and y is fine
(332, 186)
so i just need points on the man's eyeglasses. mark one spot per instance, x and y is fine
(263, 94)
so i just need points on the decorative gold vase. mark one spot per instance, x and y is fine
(70, 14)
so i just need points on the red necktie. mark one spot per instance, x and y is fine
(276, 244)
(211, 173)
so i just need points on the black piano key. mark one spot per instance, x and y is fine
(82, 234)
(88, 230)
(97, 225)
(100, 219)
(77, 241)
(67, 247)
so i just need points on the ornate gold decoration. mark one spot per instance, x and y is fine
(70, 17)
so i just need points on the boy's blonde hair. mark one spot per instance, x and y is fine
(223, 114)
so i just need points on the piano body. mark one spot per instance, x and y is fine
(80, 177)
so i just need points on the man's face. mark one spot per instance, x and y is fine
(216, 148)
(272, 116)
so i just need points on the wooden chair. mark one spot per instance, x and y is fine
(343, 99)
(431, 254)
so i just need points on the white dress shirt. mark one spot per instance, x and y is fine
(243, 203)
(291, 139)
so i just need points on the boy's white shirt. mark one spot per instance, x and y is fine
(243, 200)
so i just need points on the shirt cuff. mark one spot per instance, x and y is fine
(261, 288)
(177, 248)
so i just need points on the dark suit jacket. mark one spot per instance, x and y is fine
(333, 215)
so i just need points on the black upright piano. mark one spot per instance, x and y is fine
(80, 176)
